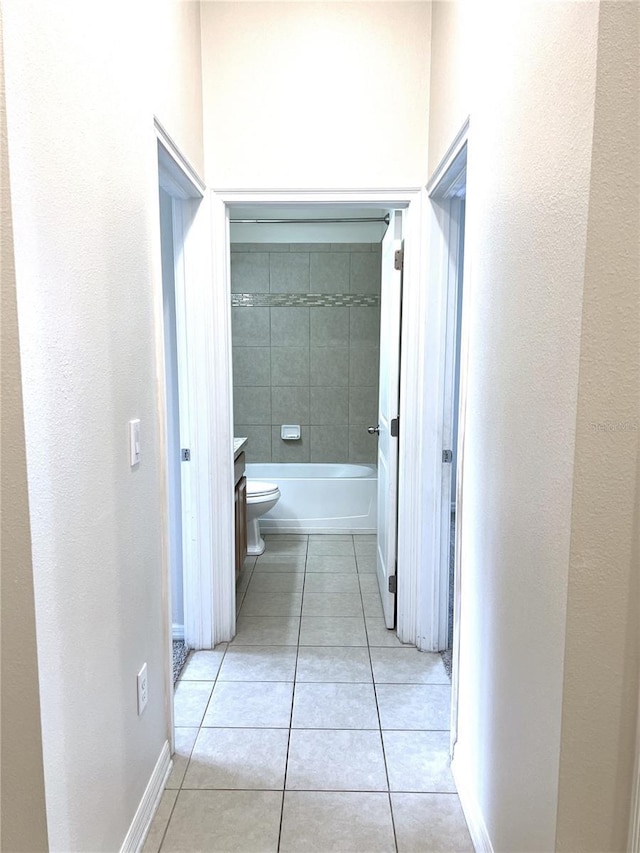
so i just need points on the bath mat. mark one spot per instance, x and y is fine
(446, 660)
(180, 654)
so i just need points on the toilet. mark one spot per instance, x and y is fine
(261, 497)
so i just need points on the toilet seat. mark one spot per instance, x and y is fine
(259, 489)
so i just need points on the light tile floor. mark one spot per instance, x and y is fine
(315, 729)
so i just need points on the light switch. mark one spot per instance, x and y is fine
(134, 442)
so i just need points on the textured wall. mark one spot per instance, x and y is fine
(315, 94)
(452, 46)
(306, 332)
(603, 611)
(85, 203)
(174, 33)
(531, 103)
(22, 804)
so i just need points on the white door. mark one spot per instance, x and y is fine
(390, 313)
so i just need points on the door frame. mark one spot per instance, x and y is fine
(191, 220)
(414, 450)
(443, 285)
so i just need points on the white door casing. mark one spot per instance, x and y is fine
(446, 188)
(388, 402)
(202, 528)
(412, 461)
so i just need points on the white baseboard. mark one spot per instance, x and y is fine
(177, 631)
(471, 808)
(149, 803)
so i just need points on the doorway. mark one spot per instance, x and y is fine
(410, 547)
(308, 288)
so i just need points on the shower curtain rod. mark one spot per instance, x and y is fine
(385, 219)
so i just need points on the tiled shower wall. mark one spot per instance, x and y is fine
(306, 334)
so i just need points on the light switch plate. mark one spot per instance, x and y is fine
(134, 442)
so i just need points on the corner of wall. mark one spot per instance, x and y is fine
(24, 820)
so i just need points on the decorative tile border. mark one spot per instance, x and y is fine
(303, 300)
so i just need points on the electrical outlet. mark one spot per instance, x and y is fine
(142, 689)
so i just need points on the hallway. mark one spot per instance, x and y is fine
(315, 729)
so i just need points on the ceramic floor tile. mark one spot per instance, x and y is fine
(332, 604)
(288, 548)
(328, 663)
(324, 822)
(418, 761)
(272, 604)
(332, 631)
(367, 564)
(407, 666)
(339, 565)
(286, 537)
(379, 635)
(259, 663)
(190, 701)
(277, 582)
(332, 760)
(364, 549)
(365, 538)
(224, 822)
(279, 564)
(330, 548)
(243, 579)
(184, 741)
(240, 596)
(266, 631)
(331, 582)
(238, 758)
(254, 704)
(204, 665)
(159, 823)
(369, 584)
(334, 706)
(414, 706)
(372, 604)
(433, 822)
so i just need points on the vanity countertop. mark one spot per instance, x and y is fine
(238, 446)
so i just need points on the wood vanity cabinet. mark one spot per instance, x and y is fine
(240, 504)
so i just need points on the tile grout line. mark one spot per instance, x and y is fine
(384, 754)
(166, 829)
(293, 697)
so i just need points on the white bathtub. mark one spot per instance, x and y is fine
(319, 498)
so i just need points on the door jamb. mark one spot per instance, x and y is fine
(413, 450)
(439, 186)
(192, 270)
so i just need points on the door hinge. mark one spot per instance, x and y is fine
(447, 455)
(398, 261)
(185, 455)
(394, 427)
(393, 584)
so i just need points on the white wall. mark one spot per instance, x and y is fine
(85, 204)
(526, 74)
(603, 603)
(173, 33)
(314, 95)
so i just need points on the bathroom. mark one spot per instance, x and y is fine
(305, 305)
